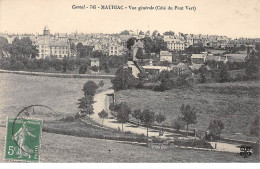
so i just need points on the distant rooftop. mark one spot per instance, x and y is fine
(46, 28)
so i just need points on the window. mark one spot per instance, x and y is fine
(115, 48)
(111, 48)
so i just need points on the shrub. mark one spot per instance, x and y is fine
(90, 88)
(83, 69)
(156, 140)
(254, 129)
(193, 143)
(215, 128)
(178, 123)
(68, 119)
(18, 65)
(94, 68)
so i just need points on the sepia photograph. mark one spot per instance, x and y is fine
(129, 81)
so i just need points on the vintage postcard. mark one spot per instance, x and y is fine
(132, 81)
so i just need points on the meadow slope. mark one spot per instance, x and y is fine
(236, 104)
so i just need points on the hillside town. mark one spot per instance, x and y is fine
(157, 89)
(177, 52)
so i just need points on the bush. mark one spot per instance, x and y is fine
(240, 77)
(193, 143)
(178, 123)
(94, 68)
(18, 65)
(69, 119)
(215, 128)
(83, 69)
(90, 88)
(254, 129)
(156, 140)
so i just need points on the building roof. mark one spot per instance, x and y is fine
(195, 66)
(236, 57)
(212, 57)
(94, 59)
(165, 53)
(46, 28)
(202, 55)
(138, 44)
(156, 67)
(59, 43)
(52, 43)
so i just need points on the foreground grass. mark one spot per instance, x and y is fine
(81, 129)
(63, 148)
(236, 104)
(60, 94)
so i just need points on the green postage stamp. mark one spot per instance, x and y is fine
(23, 139)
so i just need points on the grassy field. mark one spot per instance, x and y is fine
(236, 104)
(81, 129)
(63, 148)
(60, 94)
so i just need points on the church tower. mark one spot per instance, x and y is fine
(46, 31)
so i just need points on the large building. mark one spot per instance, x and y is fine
(46, 31)
(114, 49)
(165, 56)
(48, 46)
(53, 48)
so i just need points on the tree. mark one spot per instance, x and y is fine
(178, 123)
(223, 74)
(188, 115)
(142, 76)
(140, 54)
(159, 45)
(155, 32)
(4, 46)
(171, 33)
(141, 33)
(124, 79)
(83, 69)
(103, 114)
(94, 68)
(23, 48)
(159, 118)
(73, 47)
(125, 32)
(202, 72)
(147, 118)
(130, 42)
(254, 129)
(83, 51)
(215, 127)
(137, 115)
(148, 45)
(101, 84)
(196, 48)
(252, 66)
(86, 106)
(122, 113)
(90, 88)
(257, 47)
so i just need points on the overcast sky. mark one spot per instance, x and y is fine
(234, 18)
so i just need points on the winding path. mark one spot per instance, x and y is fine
(102, 102)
